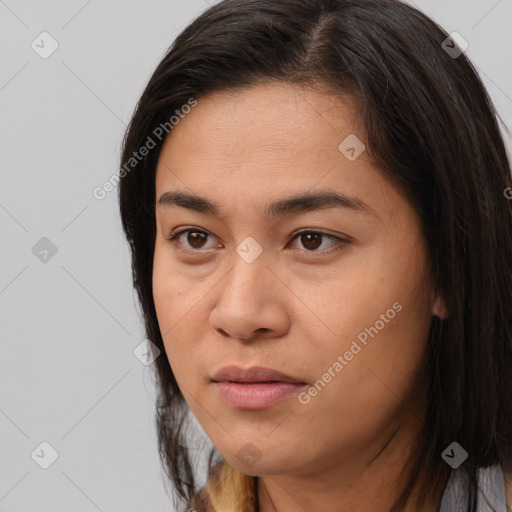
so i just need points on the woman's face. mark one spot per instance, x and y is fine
(343, 309)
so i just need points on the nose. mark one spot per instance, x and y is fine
(251, 301)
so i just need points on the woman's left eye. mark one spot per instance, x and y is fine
(310, 239)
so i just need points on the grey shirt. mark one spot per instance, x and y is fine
(491, 488)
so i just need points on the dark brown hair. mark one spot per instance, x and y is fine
(431, 128)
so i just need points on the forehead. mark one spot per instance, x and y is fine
(269, 141)
(272, 123)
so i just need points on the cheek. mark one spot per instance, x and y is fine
(180, 303)
(376, 318)
(165, 303)
(173, 296)
(169, 307)
(373, 379)
(354, 296)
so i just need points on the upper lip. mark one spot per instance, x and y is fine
(253, 374)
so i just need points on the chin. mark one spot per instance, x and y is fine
(252, 462)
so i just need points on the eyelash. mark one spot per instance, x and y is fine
(342, 242)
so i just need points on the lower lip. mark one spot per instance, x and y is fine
(261, 395)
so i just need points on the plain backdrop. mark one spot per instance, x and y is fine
(73, 394)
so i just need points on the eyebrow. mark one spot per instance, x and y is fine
(299, 203)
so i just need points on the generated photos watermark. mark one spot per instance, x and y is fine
(341, 361)
(158, 133)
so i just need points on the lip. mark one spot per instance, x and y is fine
(254, 388)
(251, 375)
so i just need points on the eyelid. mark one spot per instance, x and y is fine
(180, 231)
(340, 240)
(338, 246)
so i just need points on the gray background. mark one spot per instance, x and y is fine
(69, 324)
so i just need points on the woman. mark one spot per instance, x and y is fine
(321, 244)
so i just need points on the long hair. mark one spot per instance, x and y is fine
(432, 130)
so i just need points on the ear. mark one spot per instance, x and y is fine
(439, 308)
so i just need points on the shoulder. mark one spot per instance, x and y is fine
(508, 487)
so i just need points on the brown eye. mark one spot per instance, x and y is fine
(194, 240)
(313, 240)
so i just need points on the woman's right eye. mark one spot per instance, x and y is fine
(195, 238)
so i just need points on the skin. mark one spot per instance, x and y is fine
(344, 449)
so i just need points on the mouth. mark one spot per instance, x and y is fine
(253, 375)
(253, 382)
(254, 396)
(255, 388)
